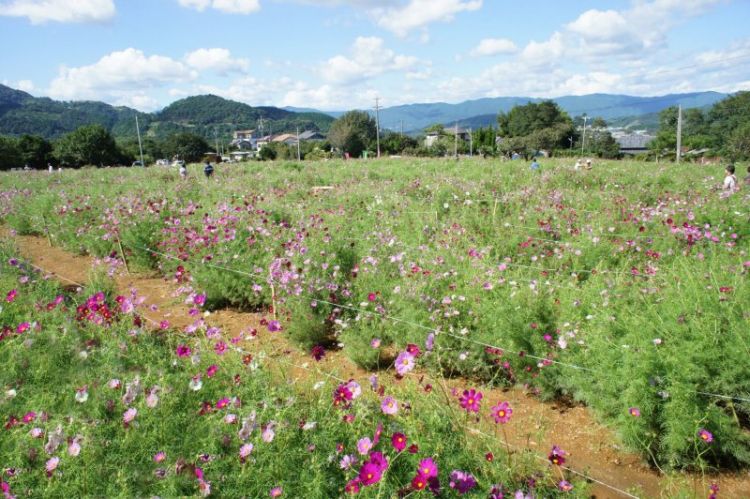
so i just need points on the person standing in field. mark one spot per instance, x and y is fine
(534, 165)
(183, 171)
(730, 180)
(208, 170)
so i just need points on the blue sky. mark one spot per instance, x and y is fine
(336, 54)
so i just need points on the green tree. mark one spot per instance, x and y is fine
(10, 155)
(353, 132)
(739, 142)
(88, 145)
(524, 120)
(35, 151)
(187, 146)
(395, 143)
(603, 144)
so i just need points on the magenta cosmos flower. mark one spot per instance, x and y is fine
(428, 468)
(183, 351)
(470, 400)
(462, 481)
(11, 296)
(635, 412)
(398, 440)
(557, 456)
(389, 406)
(276, 492)
(274, 326)
(370, 473)
(404, 363)
(502, 412)
(705, 435)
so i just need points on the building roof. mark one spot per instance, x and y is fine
(307, 135)
(284, 137)
(634, 141)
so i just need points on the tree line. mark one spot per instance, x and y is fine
(94, 145)
(722, 130)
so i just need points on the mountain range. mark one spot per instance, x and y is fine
(206, 115)
(622, 110)
(212, 116)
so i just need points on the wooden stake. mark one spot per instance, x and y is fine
(122, 254)
(46, 230)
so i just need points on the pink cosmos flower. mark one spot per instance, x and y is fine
(222, 403)
(635, 412)
(502, 412)
(245, 451)
(375, 343)
(268, 434)
(74, 447)
(164, 325)
(129, 416)
(29, 417)
(565, 486)
(352, 487)
(211, 371)
(470, 400)
(220, 348)
(160, 456)
(372, 297)
(23, 327)
(364, 445)
(51, 465)
(276, 492)
(389, 406)
(199, 300)
(404, 363)
(11, 296)
(557, 456)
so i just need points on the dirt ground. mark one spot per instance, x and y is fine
(593, 448)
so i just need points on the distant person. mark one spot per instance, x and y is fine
(183, 171)
(208, 170)
(730, 181)
(588, 164)
(50, 167)
(534, 165)
(578, 165)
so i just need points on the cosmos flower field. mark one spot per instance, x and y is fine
(433, 284)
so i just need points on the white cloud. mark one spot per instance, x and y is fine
(369, 58)
(226, 6)
(403, 18)
(25, 85)
(218, 60)
(119, 77)
(64, 11)
(540, 53)
(494, 46)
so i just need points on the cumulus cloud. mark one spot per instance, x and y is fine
(494, 46)
(121, 77)
(218, 60)
(368, 58)
(227, 6)
(63, 11)
(403, 18)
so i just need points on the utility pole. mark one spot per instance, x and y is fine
(471, 143)
(583, 141)
(455, 141)
(140, 146)
(377, 122)
(299, 157)
(679, 133)
(402, 128)
(570, 139)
